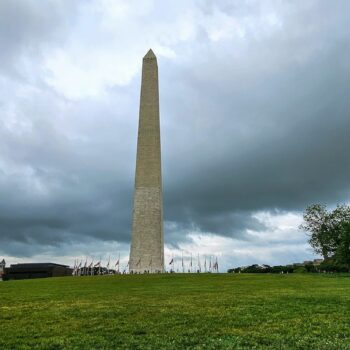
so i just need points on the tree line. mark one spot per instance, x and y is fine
(329, 236)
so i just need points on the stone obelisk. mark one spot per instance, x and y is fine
(147, 244)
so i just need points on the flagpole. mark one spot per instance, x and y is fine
(183, 267)
(79, 268)
(118, 262)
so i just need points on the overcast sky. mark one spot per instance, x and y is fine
(255, 120)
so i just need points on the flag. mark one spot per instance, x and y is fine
(75, 267)
(78, 271)
(91, 267)
(118, 262)
(85, 265)
(216, 265)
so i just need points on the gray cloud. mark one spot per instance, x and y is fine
(265, 130)
(27, 29)
(250, 122)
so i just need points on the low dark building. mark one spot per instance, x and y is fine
(36, 270)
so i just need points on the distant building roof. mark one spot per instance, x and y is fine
(36, 270)
(36, 265)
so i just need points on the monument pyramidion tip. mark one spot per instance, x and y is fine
(150, 55)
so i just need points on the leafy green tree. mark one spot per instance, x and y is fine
(342, 255)
(328, 231)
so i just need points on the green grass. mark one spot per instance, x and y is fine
(300, 311)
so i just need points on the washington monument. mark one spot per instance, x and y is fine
(147, 243)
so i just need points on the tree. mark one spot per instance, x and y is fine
(342, 255)
(328, 231)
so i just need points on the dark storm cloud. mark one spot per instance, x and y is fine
(267, 131)
(58, 188)
(248, 125)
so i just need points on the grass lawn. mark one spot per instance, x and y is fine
(218, 311)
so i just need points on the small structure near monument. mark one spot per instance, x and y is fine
(2, 267)
(36, 270)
